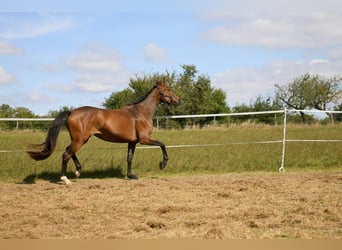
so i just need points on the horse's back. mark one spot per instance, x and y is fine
(110, 125)
(86, 115)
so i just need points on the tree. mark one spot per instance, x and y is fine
(323, 92)
(310, 91)
(293, 95)
(118, 99)
(6, 111)
(137, 89)
(259, 104)
(338, 116)
(54, 113)
(195, 91)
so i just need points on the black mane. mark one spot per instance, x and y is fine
(144, 97)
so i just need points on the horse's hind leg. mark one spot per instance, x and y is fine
(70, 153)
(78, 166)
(65, 159)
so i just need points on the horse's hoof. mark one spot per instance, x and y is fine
(132, 177)
(77, 174)
(162, 165)
(66, 180)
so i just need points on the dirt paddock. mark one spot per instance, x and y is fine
(249, 205)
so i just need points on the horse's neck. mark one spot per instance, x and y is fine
(149, 105)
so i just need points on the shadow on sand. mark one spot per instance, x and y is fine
(54, 177)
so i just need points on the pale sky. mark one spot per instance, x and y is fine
(57, 53)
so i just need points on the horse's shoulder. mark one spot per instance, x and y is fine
(130, 109)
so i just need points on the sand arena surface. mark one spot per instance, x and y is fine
(248, 205)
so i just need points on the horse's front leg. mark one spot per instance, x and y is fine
(163, 163)
(149, 141)
(130, 154)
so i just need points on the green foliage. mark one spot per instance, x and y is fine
(324, 91)
(118, 99)
(195, 91)
(259, 104)
(54, 113)
(137, 89)
(296, 118)
(338, 117)
(198, 96)
(7, 111)
(310, 91)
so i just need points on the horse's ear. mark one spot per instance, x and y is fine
(160, 82)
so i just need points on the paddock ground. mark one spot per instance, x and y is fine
(262, 205)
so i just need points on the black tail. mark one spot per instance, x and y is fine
(51, 139)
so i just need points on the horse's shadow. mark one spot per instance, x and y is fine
(54, 177)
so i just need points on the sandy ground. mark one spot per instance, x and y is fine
(253, 205)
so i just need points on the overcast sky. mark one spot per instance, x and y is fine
(57, 53)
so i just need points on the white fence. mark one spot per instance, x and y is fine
(17, 120)
(282, 140)
(216, 115)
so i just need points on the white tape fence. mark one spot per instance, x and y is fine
(282, 140)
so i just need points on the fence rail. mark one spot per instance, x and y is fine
(283, 140)
(201, 115)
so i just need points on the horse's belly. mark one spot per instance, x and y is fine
(118, 126)
(117, 135)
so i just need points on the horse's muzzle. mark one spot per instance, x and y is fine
(176, 101)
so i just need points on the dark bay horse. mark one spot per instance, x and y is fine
(132, 124)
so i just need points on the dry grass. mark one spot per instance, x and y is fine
(246, 205)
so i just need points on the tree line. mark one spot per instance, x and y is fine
(198, 96)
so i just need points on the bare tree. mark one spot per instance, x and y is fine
(325, 91)
(293, 94)
(310, 91)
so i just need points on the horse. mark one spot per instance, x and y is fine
(132, 124)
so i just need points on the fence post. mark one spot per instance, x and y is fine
(282, 169)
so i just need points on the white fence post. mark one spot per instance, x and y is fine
(282, 169)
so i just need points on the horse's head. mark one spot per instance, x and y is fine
(166, 96)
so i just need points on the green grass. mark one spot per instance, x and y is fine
(106, 160)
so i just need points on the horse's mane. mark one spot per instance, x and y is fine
(144, 97)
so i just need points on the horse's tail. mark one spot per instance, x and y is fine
(51, 139)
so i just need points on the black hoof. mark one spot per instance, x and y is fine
(132, 177)
(162, 165)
